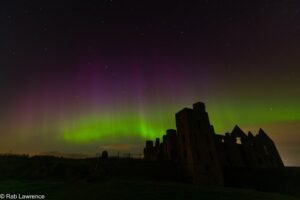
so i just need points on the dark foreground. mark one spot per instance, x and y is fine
(127, 178)
(118, 189)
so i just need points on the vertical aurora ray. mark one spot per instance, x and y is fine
(97, 108)
(149, 125)
(97, 128)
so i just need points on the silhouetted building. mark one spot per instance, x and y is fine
(202, 154)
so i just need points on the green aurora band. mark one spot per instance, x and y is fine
(97, 127)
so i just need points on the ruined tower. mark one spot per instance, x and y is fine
(197, 152)
(202, 155)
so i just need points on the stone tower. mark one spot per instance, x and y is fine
(197, 152)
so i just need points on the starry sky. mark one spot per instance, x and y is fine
(82, 76)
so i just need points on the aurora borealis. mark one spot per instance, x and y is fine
(82, 77)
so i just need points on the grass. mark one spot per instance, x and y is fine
(60, 178)
(140, 190)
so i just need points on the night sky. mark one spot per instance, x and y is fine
(80, 77)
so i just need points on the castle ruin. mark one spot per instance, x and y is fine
(202, 154)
